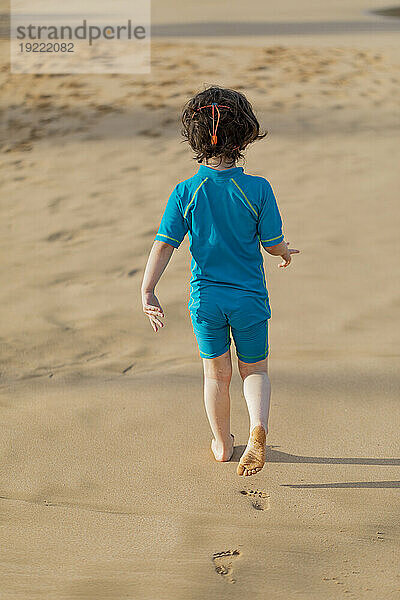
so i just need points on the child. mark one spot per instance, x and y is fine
(227, 214)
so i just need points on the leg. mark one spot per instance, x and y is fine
(257, 391)
(217, 377)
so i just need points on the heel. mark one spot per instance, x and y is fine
(258, 434)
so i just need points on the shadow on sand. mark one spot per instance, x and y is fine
(275, 456)
(347, 484)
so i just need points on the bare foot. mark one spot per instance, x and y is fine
(253, 458)
(221, 453)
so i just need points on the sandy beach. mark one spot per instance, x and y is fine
(109, 489)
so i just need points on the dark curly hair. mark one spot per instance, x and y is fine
(237, 128)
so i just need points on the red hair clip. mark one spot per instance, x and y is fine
(214, 106)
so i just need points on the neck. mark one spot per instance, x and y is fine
(215, 163)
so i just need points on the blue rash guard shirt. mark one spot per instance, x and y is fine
(227, 214)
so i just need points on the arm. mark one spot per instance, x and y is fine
(159, 257)
(282, 249)
(172, 230)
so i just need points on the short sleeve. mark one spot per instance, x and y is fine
(173, 226)
(269, 224)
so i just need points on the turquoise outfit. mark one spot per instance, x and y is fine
(227, 215)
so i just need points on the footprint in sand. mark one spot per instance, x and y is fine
(259, 499)
(223, 564)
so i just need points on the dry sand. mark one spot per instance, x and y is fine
(108, 488)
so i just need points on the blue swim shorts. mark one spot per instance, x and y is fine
(215, 310)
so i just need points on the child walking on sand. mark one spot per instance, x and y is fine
(227, 214)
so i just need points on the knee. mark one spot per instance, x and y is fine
(221, 375)
(219, 371)
(246, 369)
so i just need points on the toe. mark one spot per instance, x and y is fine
(240, 469)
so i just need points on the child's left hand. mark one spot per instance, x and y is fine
(153, 309)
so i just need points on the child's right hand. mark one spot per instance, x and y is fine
(286, 255)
